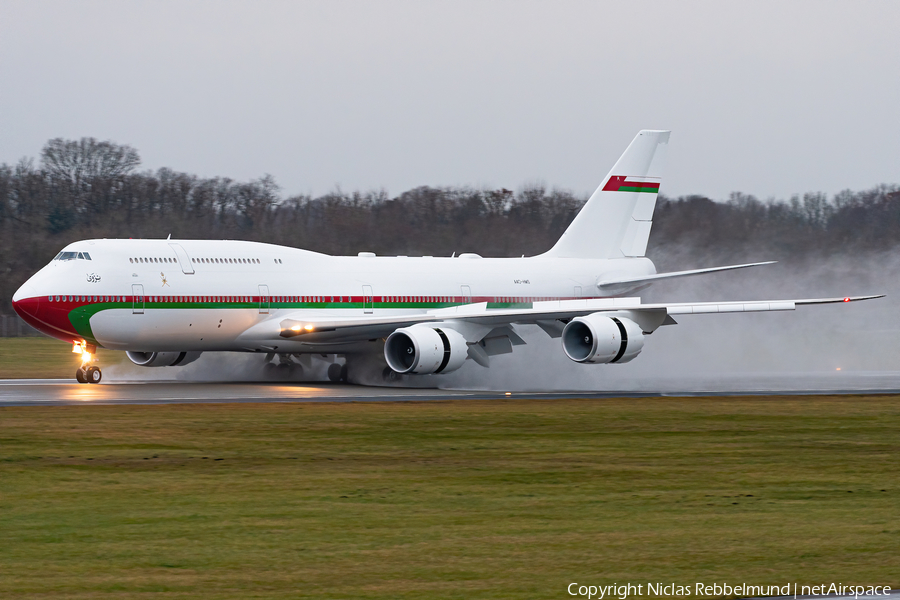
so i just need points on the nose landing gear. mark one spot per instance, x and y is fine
(86, 373)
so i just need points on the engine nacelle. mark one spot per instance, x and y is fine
(162, 359)
(597, 338)
(425, 349)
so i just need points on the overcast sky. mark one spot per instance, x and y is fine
(770, 98)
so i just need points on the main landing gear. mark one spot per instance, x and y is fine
(86, 373)
(303, 367)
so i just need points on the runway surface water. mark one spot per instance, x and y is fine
(24, 392)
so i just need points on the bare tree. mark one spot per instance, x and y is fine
(87, 158)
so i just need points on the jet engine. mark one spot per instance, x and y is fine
(598, 338)
(425, 349)
(162, 359)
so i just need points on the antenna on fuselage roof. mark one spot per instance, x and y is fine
(453, 255)
(169, 238)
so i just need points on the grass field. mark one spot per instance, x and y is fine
(44, 358)
(461, 499)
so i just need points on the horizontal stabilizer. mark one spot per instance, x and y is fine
(611, 284)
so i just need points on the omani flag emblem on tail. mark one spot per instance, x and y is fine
(619, 183)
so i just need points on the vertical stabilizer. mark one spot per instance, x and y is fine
(615, 222)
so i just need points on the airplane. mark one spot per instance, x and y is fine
(164, 302)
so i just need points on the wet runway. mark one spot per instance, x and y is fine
(25, 392)
(20, 392)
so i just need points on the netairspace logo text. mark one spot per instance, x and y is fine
(627, 590)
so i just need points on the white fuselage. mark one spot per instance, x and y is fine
(198, 295)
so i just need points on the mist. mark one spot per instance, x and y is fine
(819, 347)
(852, 346)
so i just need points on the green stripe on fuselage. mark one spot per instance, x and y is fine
(80, 317)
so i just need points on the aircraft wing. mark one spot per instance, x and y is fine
(475, 321)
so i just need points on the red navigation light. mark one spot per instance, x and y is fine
(846, 299)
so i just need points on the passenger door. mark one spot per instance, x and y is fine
(183, 259)
(368, 300)
(137, 303)
(263, 299)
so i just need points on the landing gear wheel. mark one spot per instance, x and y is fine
(80, 375)
(284, 370)
(334, 372)
(93, 375)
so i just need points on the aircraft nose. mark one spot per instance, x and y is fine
(43, 314)
(25, 291)
(25, 302)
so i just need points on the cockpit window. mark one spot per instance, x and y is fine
(72, 256)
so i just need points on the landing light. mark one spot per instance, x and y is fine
(81, 348)
(296, 328)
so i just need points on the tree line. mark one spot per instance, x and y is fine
(87, 188)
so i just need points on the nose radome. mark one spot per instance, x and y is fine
(37, 311)
(25, 291)
(24, 301)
